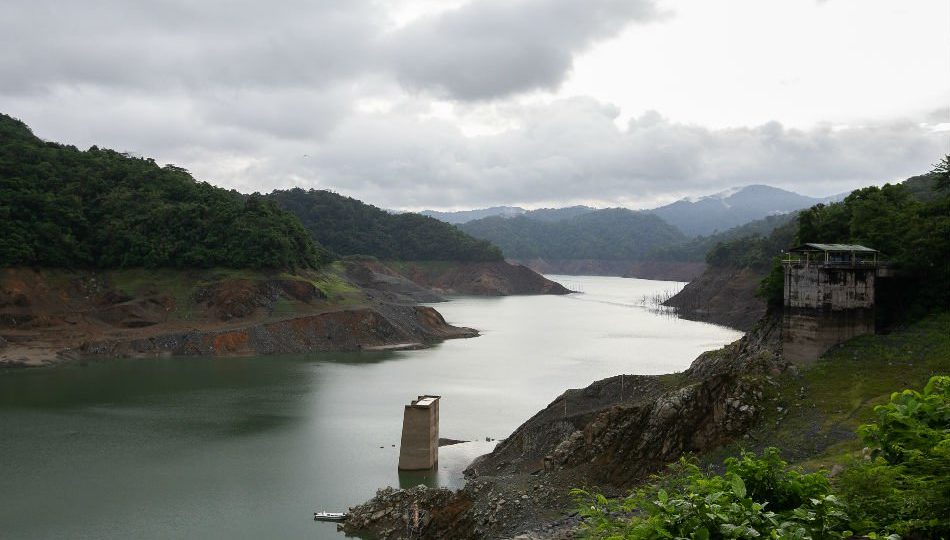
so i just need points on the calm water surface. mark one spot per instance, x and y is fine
(250, 447)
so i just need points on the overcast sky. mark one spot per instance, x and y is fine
(454, 104)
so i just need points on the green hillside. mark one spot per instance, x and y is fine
(696, 249)
(63, 207)
(347, 226)
(610, 234)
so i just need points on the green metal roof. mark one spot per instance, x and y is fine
(833, 247)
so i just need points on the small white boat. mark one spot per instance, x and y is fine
(329, 516)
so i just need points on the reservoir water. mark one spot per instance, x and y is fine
(250, 447)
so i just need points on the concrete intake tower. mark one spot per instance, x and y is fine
(829, 297)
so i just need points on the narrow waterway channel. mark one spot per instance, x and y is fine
(250, 447)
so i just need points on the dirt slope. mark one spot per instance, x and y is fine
(47, 316)
(722, 295)
(477, 278)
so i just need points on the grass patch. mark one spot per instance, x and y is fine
(812, 415)
(331, 282)
(182, 285)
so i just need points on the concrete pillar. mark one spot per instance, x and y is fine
(419, 449)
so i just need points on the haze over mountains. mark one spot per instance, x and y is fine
(693, 216)
(727, 209)
(608, 234)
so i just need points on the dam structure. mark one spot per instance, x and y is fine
(419, 448)
(828, 297)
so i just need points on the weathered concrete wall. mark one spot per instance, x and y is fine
(808, 333)
(825, 306)
(419, 448)
(822, 287)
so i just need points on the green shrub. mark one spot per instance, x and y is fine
(904, 484)
(756, 497)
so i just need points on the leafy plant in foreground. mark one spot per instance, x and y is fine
(904, 486)
(756, 497)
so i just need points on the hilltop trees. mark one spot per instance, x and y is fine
(347, 226)
(62, 207)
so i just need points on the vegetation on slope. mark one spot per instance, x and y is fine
(62, 207)
(898, 487)
(697, 249)
(347, 226)
(610, 234)
(907, 223)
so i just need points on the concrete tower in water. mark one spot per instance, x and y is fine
(419, 449)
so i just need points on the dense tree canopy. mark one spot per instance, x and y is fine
(699, 249)
(62, 207)
(609, 234)
(347, 226)
(909, 226)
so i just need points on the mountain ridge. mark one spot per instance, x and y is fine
(700, 215)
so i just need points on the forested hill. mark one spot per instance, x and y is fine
(696, 249)
(609, 234)
(347, 226)
(63, 207)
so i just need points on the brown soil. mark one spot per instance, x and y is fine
(477, 278)
(50, 316)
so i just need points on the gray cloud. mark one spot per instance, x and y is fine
(495, 48)
(256, 96)
(483, 49)
(572, 151)
(169, 44)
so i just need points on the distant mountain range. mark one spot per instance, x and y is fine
(464, 216)
(705, 215)
(542, 214)
(693, 216)
(608, 234)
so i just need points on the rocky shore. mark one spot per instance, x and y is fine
(608, 436)
(52, 316)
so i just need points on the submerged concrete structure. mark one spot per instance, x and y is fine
(419, 449)
(829, 297)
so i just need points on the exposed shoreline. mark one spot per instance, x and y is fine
(48, 317)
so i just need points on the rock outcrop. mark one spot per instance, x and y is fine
(342, 330)
(382, 282)
(409, 513)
